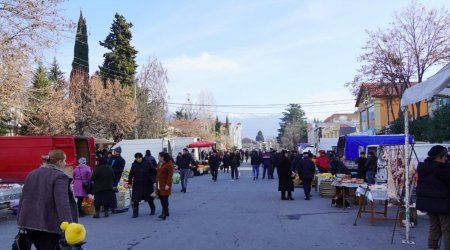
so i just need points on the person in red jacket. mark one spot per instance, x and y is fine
(322, 162)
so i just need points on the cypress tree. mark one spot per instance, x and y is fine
(217, 126)
(120, 63)
(80, 61)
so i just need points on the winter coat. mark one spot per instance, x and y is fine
(151, 159)
(164, 177)
(117, 163)
(267, 159)
(371, 164)
(361, 162)
(255, 159)
(103, 178)
(226, 160)
(185, 160)
(142, 178)
(235, 159)
(47, 200)
(433, 187)
(214, 161)
(82, 173)
(285, 175)
(323, 163)
(306, 168)
(338, 167)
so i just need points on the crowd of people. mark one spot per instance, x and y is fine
(48, 200)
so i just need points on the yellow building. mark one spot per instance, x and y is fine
(378, 107)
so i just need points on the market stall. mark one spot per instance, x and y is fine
(437, 85)
(203, 166)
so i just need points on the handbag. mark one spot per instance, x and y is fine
(154, 195)
(21, 241)
(87, 185)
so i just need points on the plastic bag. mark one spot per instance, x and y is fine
(176, 178)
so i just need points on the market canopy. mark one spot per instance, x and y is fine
(353, 142)
(201, 144)
(437, 85)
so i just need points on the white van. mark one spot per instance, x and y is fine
(422, 149)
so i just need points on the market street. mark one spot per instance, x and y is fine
(242, 214)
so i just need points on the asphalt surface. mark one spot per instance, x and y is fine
(242, 214)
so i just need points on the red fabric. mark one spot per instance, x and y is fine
(201, 144)
(323, 162)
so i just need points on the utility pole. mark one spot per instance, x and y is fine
(136, 134)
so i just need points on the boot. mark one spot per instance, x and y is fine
(106, 213)
(97, 215)
(152, 209)
(290, 196)
(162, 216)
(135, 212)
(283, 195)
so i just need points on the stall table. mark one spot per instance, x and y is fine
(367, 194)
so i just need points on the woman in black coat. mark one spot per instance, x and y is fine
(102, 183)
(142, 177)
(285, 176)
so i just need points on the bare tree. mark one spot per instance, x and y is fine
(112, 110)
(400, 55)
(151, 99)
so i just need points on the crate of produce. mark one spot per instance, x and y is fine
(326, 189)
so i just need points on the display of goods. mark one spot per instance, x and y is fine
(326, 189)
(357, 181)
(88, 205)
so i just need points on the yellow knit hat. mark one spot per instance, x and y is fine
(74, 233)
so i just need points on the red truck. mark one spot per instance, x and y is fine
(19, 155)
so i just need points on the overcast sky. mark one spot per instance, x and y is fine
(261, 52)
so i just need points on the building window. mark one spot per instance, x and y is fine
(363, 120)
(371, 113)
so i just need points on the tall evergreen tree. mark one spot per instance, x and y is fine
(259, 136)
(41, 84)
(292, 126)
(56, 76)
(80, 61)
(217, 126)
(120, 63)
(227, 125)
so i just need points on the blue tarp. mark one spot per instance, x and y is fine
(352, 143)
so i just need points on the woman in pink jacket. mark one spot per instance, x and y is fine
(82, 173)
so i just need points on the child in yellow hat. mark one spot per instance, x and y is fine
(74, 236)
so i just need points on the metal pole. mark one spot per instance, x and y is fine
(136, 134)
(407, 224)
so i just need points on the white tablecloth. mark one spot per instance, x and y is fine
(373, 193)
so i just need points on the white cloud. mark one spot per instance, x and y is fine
(204, 62)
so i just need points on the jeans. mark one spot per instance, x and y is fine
(184, 174)
(439, 227)
(255, 171)
(370, 176)
(234, 171)
(214, 172)
(164, 204)
(307, 186)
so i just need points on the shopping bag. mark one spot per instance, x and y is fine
(176, 178)
(21, 241)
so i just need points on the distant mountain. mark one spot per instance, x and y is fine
(269, 125)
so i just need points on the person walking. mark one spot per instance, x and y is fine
(47, 201)
(142, 176)
(164, 180)
(235, 162)
(102, 187)
(322, 162)
(81, 174)
(255, 161)
(267, 164)
(214, 163)
(361, 162)
(285, 183)
(117, 164)
(433, 195)
(371, 168)
(226, 162)
(306, 170)
(184, 163)
(148, 157)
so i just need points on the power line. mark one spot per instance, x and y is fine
(304, 104)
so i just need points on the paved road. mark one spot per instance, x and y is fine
(243, 214)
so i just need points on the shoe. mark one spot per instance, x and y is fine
(113, 211)
(254, 178)
(162, 216)
(106, 214)
(283, 198)
(307, 198)
(290, 198)
(97, 215)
